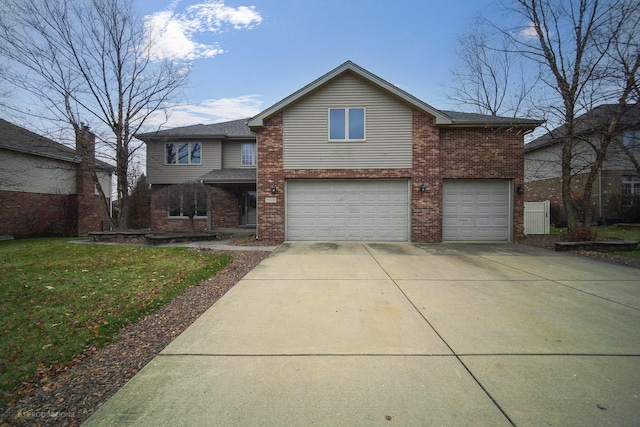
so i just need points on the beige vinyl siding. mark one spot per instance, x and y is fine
(232, 154)
(33, 174)
(388, 129)
(160, 173)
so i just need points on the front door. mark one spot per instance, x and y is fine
(248, 208)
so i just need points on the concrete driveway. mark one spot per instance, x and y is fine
(367, 334)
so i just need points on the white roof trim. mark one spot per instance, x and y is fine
(441, 118)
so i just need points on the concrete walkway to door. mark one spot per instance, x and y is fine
(377, 334)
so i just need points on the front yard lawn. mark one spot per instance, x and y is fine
(58, 298)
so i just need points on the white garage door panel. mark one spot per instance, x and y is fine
(373, 210)
(476, 210)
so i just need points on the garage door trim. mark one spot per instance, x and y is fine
(389, 196)
(482, 215)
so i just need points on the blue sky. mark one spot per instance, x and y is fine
(251, 54)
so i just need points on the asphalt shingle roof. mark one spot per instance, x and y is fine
(232, 129)
(16, 138)
(230, 175)
(589, 122)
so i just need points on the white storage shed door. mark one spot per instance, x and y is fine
(476, 210)
(339, 210)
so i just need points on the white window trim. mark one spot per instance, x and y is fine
(634, 184)
(255, 155)
(346, 124)
(189, 144)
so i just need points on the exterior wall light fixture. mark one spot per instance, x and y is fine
(423, 189)
(520, 189)
(274, 190)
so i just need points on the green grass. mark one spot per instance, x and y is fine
(59, 298)
(619, 232)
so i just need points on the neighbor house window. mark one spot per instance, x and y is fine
(188, 153)
(631, 139)
(346, 124)
(248, 154)
(184, 203)
(630, 190)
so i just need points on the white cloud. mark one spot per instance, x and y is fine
(206, 112)
(529, 32)
(172, 35)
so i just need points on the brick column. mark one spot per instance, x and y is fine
(426, 207)
(270, 174)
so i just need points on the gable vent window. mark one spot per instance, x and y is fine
(347, 124)
(183, 153)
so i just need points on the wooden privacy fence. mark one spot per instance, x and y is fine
(536, 217)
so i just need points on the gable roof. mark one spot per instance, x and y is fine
(235, 129)
(590, 122)
(19, 139)
(450, 118)
(349, 66)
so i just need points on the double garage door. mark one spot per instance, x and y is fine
(367, 210)
(379, 210)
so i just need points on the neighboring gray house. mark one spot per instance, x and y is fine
(618, 180)
(44, 185)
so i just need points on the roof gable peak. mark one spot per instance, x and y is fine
(349, 66)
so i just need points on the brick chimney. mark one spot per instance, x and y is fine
(90, 210)
(86, 150)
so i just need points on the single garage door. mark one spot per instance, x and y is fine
(476, 210)
(366, 210)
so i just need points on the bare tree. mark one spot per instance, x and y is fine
(572, 41)
(88, 63)
(586, 52)
(488, 78)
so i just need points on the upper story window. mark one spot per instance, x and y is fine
(347, 124)
(248, 154)
(187, 153)
(631, 139)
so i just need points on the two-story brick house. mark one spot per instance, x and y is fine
(221, 155)
(353, 157)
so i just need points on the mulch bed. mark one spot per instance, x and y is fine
(66, 395)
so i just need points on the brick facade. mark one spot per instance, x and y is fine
(224, 211)
(437, 154)
(37, 214)
(487, 154)
(551, 189)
